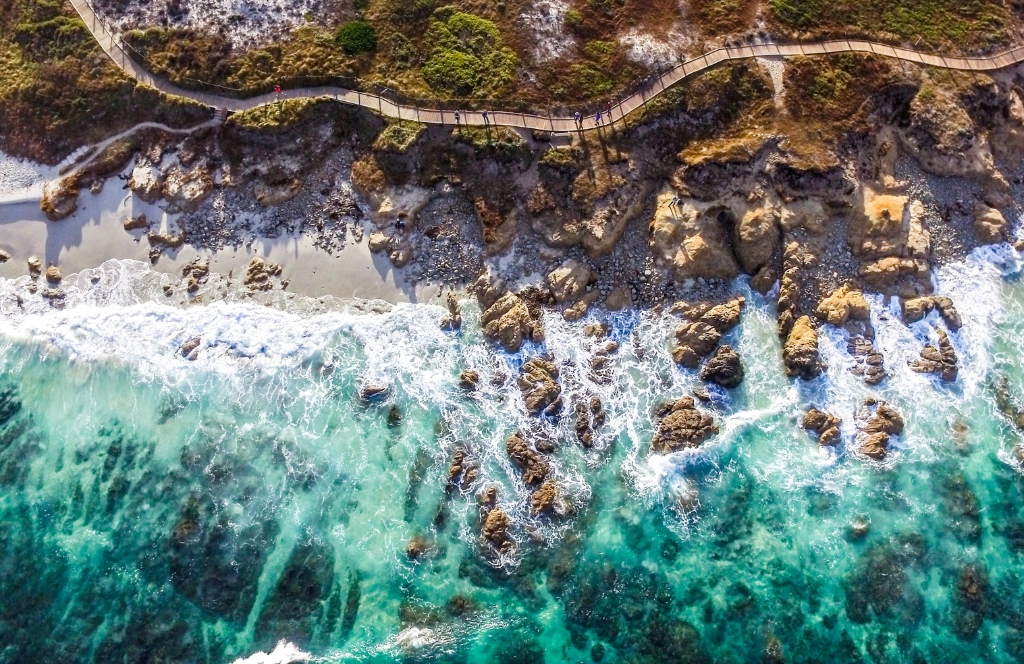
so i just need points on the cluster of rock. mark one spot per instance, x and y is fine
(508, 318)
(681, 426)
(589, 417)
(847, 308)
(535, 470)
(258, 274)
(878, 423)
(462, 472)
(939, 359)
(823, 425)
(699, 336)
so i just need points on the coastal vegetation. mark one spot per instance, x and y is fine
(59, 91)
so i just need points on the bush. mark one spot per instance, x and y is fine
(467, 56)
(573, 18)
(398, 137)
(357, 37)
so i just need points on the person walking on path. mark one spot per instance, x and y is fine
(597, 119)
(456, 117)
(277, 91)
(485, 117)
(578, 120)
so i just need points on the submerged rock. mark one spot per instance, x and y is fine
(468, 379)
(373, 392)
(298, 602)
(800, 352)
(940, 360)
(495, 530)
(539, 384)
(824, 425)
(682, 426)
(724, 368)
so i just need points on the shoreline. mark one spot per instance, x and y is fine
(95, 233)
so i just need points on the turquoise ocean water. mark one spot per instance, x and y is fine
(154, 509)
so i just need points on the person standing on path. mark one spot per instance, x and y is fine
(485, 117)
(277, 91)
(579, 120)
(456, 117)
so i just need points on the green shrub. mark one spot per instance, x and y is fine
(398, 137)
(573, 18)
(357, 37)
(467, 56)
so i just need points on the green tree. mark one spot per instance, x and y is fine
(357, 37)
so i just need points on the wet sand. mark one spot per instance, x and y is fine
(95, 233)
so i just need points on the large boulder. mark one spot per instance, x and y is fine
(756, 236)
(568, 282)
(698, 337)
(724, 368)
(539, 384)
(510, 321)
(690, 242)
(990, 227)
(682, 426)
(824, 425)
(878, 427)
(800, 352)
(845, 303)
(938, 359)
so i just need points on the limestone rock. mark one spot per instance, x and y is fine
(824, 425)
(682, 426)
(453, 319)
(697, 338)
(884, 273)
(724, 368)
(843, 304)
(510, 321)
(588, 419)
(940, 360)
(870, 364)
(990, 226)
(579, 310)
(379, 242)
(875, 445)
(190, 349)
(4, 256)
(146, 182)
(462, 472)
(373, 392)
(165, 240)
(531, 463)
(549, 499)
(54, 275)
(569, 281)
(878, 428)
(800, 352)
(186, 190)
(60, 198)
(539, 384)
(35, 267)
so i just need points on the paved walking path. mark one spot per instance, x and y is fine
(113, 47)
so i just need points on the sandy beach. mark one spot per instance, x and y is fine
(95, 233)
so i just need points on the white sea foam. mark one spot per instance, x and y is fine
(283, 653)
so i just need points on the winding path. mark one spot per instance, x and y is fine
(113, 47)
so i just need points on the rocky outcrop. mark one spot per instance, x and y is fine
(190, 349)
(569, 281)
(533, 465)
(373, 393)
(272, 195)
(588, 418)
(498, 229)
(468, 380)
(880, 422)
(453, 319)
(724, 368)
(462, 472)
(185, 191)
(54, 275)
(756, 236)
(35, 267)
(618, 298)
(682, 427)
(690, 242)
(495, 530)
(990, 227)
(549, 499)
(258, 274)
(938, 359)
(697, 338)
(800, 352)
(539, 384)
(844, 304)
(917, 308)
(138, 223)
(510, 321)
(824, 425)
(4, 256)
(60, 198)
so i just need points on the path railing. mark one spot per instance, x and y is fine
(481, 112)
